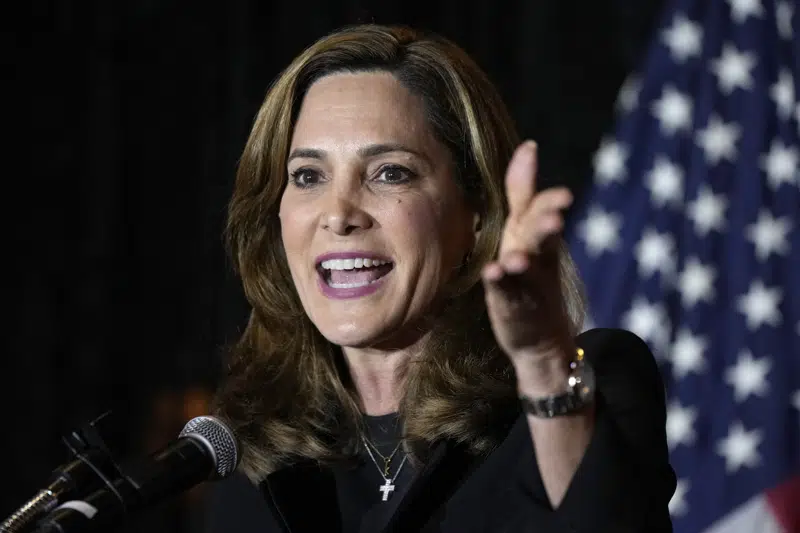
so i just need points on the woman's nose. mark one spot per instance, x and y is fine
(343, 215)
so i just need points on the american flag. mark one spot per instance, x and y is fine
(689, 237)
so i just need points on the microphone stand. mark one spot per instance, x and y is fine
(76, 516)
(92, 464)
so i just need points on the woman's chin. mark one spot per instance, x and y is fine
(374, 336)
(350, 333)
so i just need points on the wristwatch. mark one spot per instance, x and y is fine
(579, 393)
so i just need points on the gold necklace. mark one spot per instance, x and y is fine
(387, 461)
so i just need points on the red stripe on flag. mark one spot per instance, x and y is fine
(784, 501)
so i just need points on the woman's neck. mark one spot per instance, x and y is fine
(378, 375)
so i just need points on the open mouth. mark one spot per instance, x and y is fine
(353, 273)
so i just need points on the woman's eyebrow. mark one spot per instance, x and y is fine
(368, 151)
(384, 148)
(306, 153)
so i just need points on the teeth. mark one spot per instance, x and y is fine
(350, 264)
(351, 285)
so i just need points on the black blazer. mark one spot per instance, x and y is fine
(623, 484)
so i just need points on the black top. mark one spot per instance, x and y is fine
(358, 487)
(623, 484)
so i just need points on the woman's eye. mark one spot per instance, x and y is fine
(304, 177)
(395, 174)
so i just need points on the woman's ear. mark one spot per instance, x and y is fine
(476, 224)
(476, 231)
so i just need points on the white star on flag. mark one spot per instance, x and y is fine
(680, 424)
(707, 211)
(684, 38)
(648, 321)
(748, 376)
(677, 504)
(696, 283)
(782, 93)
(780, 164)
(760, 305)
(733, 69)
(655, 252)
(740, 447)
(687, 354)
(673, 110)
(718, 140)
(609, 161)
(769, 235)
(600, 231)
(741, 9)
(665, 182)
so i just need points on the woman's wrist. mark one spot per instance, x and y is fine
(543, 372)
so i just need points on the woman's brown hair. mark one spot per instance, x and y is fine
(287, 394)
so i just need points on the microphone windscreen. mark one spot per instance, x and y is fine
(220, 441)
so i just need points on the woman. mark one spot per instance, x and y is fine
(411, 361)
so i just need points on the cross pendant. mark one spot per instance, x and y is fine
(387, 488)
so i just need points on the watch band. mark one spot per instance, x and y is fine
(579, 393)
(552, 406)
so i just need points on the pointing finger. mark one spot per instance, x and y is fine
(521, 178)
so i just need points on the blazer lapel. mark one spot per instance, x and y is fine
(303, 497)
(447, 465)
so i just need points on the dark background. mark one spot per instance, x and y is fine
(133, 117)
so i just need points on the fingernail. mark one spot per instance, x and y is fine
(527, 146)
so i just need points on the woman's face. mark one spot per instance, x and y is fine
(372, 219)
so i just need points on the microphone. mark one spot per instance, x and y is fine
(206, 449)
(92, 466)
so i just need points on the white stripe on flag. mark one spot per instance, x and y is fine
(754, 516)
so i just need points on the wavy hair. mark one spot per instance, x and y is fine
(287, 393)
